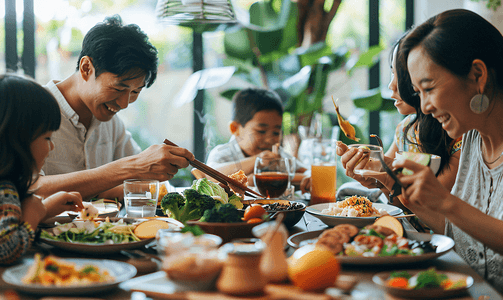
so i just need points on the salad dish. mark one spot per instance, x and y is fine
(18, 276)
(96, 237)
(423, 284)
(317, 210)
(364, 249)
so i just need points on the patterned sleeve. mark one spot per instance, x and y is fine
(15, 237)
(456, 145)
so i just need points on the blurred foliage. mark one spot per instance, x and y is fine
(298, 74)
(491, 4)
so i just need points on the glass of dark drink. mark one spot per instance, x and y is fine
(271, 176)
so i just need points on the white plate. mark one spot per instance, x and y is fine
(435, 293)
(444, 244)
(359, 222)
(120, 270)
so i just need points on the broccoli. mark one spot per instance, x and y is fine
(196, 204)
(190, 207)
(171, 204)
(226, 213)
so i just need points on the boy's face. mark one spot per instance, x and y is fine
(260, 133)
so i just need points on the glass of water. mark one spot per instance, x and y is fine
(140, 197)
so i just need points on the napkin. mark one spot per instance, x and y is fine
(355, 188)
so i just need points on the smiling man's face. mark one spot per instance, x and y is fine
(108, 94)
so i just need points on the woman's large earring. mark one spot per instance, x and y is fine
(479, 103)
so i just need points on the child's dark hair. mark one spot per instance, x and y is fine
(27, 110)
(121, 50)
(247, 102)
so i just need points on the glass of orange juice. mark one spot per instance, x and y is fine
(323, 171)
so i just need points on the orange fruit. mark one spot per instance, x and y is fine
(313, 268)
(254, 211)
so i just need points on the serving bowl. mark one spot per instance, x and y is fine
(292, 216)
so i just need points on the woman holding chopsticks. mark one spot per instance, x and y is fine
(455, 63)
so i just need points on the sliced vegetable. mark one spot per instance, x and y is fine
(254, 211)
(148, 229)
(391, 223)
(345, 126)
(398, 282)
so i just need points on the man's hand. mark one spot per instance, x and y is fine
(160, 162)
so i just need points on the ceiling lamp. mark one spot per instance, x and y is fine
(190, 12)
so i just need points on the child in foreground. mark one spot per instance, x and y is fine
(28, 116)
(255, 127)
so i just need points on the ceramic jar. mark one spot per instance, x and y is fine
(273, 265)
(241, 271)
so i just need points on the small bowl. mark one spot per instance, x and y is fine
(227, 231)
(191, 263)
(165, 236)
(432, 293)
(292, 216)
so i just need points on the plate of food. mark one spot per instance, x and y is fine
(423, 284)
(54, 276)
(375, 244)
(106, 236)
(355, 210)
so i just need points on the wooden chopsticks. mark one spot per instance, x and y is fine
(217, 175)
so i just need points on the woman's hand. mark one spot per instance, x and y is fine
(422, 188)
(63, 201)
(350, 158)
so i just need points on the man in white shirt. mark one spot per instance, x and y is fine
(94, 153)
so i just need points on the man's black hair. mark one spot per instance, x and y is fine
(120, 49)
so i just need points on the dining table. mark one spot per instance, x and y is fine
(355, 281)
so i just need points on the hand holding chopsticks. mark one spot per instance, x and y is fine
(224, 179)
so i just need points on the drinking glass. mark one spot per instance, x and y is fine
(140, 197)
(323, 171)
(370, 164)
(271, 176)
(289, 193)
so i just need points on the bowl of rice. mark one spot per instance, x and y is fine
(356, 210)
